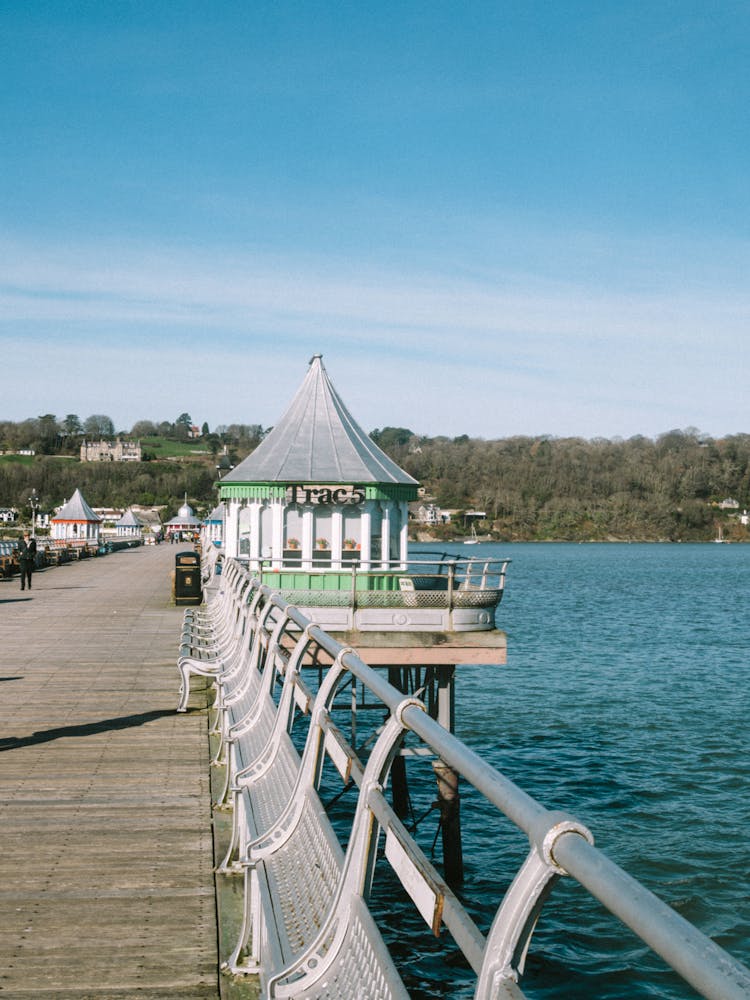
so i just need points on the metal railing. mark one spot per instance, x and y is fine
(559, 845)
(444, 581)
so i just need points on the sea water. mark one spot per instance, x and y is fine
(625, 701)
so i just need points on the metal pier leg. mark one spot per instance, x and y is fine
(398, 779)
(449, 800)
(449, 803)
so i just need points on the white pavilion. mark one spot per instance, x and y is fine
(75, 523)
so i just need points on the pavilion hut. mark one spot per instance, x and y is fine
(75, 523)
(184, 526)
(129, 525)
(317, 494)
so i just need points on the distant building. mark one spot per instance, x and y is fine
(214, 524)
(75, 522)
(108, 451)
(430, 513)
(729, 504)
(150, 518)
(184, 525)
(8, 515)
(109, 515)
(129, 525)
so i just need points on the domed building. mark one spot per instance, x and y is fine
(185, 526)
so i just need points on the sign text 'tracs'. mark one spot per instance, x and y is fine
(297, 493)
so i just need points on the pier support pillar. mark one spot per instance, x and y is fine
(449, 804)
(425, 664)
(399, 783)
(449, 800)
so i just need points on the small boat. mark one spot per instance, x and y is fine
(473, 540)
(720, 540)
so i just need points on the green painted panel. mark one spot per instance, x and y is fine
(333, 581)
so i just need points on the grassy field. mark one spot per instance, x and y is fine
(163, 448)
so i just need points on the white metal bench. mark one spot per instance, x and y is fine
(307, 929)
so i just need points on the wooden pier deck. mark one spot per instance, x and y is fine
(106, 867)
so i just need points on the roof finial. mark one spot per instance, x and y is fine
(315, 357)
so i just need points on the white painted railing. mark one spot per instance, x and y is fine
(257, 647)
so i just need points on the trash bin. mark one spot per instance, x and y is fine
(187, 578)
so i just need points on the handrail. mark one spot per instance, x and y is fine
(559, 845)
(463, 569)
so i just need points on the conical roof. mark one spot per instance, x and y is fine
(318, 441)
(76, 509)
(130, 520)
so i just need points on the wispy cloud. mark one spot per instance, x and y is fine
(163, 286)
(498, 339)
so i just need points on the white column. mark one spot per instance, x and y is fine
(404, 533)
(308, 542)
(232, 539)
(366, 527)
(385, 534)
(255, 509)
(337, 537)
(277, 536)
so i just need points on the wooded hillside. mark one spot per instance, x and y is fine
(576, 489)
(531, 488)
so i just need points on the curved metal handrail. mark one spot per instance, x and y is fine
(559, 845)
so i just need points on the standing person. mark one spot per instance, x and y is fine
(26, 558)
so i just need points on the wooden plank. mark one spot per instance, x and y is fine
(106, 882)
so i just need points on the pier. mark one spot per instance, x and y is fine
(289, 848)
(108, 886)
(106, 868)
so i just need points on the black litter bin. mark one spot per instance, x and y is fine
(187, 578)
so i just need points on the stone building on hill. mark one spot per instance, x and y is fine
(111, 451)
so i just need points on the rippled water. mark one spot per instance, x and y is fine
(624, 701)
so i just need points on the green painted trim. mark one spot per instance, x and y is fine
(251, 491)
(391, 491)
(397, 492)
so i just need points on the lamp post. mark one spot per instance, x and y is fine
(34, 504)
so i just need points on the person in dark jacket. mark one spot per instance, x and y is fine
(26, 558)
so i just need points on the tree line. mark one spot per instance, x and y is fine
(529, 488)
(48, 435)
(543, 488)
(107, 484)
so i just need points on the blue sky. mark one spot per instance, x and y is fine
(490, 218)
